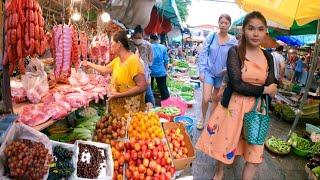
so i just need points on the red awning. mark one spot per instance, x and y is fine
(157, 24)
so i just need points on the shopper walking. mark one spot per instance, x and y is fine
(299, 65)
(212, 64)
(159, 66)
(250, 75)
(279, 63)
(145, 52)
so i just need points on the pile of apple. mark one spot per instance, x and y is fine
(118, 155)
(177, 144)
(148, 160)
(110, 128)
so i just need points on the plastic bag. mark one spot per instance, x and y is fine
(35, 81)
(21, 131)
(78, 78)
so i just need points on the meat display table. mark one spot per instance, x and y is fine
(17, 109)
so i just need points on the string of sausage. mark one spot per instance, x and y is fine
(24, 33)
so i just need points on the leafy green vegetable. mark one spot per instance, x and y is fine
(316, 170)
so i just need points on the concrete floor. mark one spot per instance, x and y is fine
(288, 167)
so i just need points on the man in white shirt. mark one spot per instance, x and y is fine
(279, 63)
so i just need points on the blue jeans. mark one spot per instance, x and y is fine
(149, 96)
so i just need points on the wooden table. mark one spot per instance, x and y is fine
(17, 109)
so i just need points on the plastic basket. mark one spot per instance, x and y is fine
(187, 121)
(311, 128)
(299, 152)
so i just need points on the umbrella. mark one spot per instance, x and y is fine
(275, 29)
(291, 41)
(270, 23)
(285, 12)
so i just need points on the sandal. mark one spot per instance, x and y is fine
(199, 125)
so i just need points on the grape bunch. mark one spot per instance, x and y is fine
(27, 159)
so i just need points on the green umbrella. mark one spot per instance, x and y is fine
(275, 29)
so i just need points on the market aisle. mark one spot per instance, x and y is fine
(288, 167)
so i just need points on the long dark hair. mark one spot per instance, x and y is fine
(121, 36)
(242, 44)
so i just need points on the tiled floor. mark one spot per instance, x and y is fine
(288, 167)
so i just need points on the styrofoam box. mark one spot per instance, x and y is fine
(107, 171)
(70, 147)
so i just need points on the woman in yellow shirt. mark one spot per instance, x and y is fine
(128, 80)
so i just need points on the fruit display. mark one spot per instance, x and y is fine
(145, 126)
(27, 159)
(277, 145)
(177, 144)
(110, 128)
(63, 166)
(148, 160)
(170, 110)
(117, 149)
(89, 162)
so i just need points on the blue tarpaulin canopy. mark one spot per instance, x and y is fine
(168, 9)
(291, 41)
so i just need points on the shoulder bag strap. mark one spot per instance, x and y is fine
(214, 34)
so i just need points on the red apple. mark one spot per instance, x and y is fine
(132, 162)
(152, 165)
(134, 155)
(144, 147)
(160, 154)
(163, 170)
(121, 160)
(149, 172)
(128, 173)
(127, 156)
(172, 170)
(116, 165)
(148, 178)
(131, 168)
(148, 154)
(137, 147)
(150, 145)
(139, 161)
(116, 155)
(157, 141)
(141, 177)
(168, 175)
(162, 176)
(141, 169)
(135, 175)
(120, 146)
(146, 162)
(158, 168)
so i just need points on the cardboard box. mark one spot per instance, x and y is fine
(180, 164)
